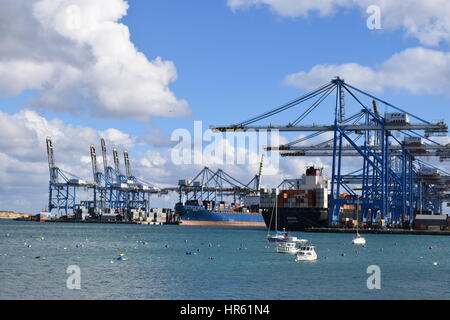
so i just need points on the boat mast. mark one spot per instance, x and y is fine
(357, 217)
(276, 209)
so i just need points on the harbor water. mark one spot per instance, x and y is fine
(198, 263)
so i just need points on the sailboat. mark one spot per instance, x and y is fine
(280, 236)
(358, 240)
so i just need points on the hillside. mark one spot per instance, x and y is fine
(13, 215)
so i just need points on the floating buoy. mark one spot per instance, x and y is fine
(343, 255)
(435, 263)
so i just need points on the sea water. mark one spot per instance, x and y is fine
(187, 262)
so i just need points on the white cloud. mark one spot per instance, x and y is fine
(78, 55)
(24, 172)
(418, 70)
(428, 21)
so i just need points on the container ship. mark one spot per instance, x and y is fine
(303, 206)
(221, 213)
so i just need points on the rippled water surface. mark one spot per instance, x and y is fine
(225, 263)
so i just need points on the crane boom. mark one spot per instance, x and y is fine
(105, 157)
(116, 161)
(127, 163)
(261, 164)
(51, 160)
(94, 164)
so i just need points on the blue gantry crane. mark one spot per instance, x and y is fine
(210, 185)
(63, 186)
(389, 184)
(112, 192)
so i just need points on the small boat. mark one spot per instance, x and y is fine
(306, 253)
(295, 239)
(279, 236)
(287, 247)
(359, 240)
(284, 237)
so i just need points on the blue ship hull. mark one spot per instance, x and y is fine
(198, 215)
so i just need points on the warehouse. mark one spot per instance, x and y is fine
(431, 222)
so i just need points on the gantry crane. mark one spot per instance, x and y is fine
(387, 148)
(112, 192)
(63, 186)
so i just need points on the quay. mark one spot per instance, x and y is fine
(380, 231)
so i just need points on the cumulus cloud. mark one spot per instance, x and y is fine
(428, 21)
(24, 172)
(78, 56)
(418, 70)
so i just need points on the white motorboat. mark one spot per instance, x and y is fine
(359, 240)
(287, 247)
(306, 253)
(295, 239)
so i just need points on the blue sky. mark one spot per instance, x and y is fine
(231, 64)
(231, 59)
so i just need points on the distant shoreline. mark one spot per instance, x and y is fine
(10, 215)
